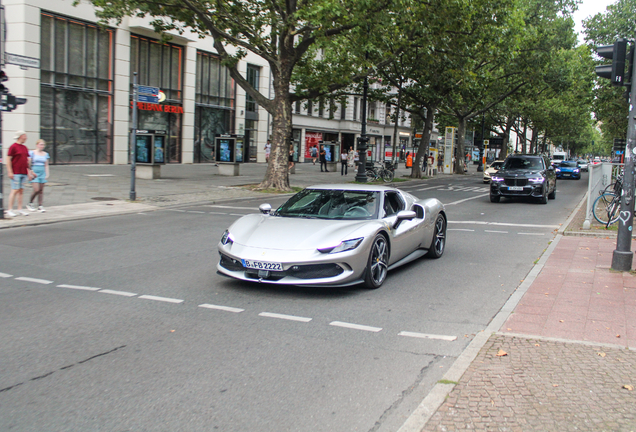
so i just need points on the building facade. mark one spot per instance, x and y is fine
(80, 99)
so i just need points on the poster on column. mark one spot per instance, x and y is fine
(312, 139)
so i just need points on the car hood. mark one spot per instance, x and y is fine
(568, 168)
(285, 233)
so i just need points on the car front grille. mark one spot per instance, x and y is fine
(309, 271)
(516, 182)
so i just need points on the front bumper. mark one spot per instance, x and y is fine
(527, 190)
(305, 267)
(566, 175)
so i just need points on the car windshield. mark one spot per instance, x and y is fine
(523, 163)
(583, 162)
(569, 164)
(331, 204)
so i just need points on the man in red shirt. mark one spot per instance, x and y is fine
(17, 169)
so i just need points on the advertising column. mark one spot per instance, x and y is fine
(449, 147)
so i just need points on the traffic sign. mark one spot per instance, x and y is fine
(22, 61)
(146, 90)
(148, 99)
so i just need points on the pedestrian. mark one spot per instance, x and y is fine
(343, 161)
(356, 159)
(313, 151)
(268, 149)
(323, 158)
(18, 169)
(291, 158)
(407, 164)
(440, 162)
(40, 167)
(429, 167)
(351, 158)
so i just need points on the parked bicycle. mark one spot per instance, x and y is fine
(607, 207)
(378, 171)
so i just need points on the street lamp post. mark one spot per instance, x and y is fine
(361, 176)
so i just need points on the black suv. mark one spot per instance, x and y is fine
(524, 176)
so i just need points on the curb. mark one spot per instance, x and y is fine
(422, 414)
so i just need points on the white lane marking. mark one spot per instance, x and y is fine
(429, 188)
(355, 326)
(533, 234)
(460, 229)
(163, 299)
(175, 210)
(503, 224)
(4, 275)
(223, 308)
(232, 207)
(236, 214)
(195, 211)
(497, 232)
(121, 293)
(143, 214)
(427, 336)
(285, 317)
(467, 199)
(218, 213)
(78, 287)
(34, 280)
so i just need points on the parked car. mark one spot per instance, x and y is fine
(333, 235)
(568, 169)
(583, 165)
(524, 176)
(493, 168)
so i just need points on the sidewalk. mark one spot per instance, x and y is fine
(563, 360)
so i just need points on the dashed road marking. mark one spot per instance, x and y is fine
(427, 336)
(355, 326)
(162, 299)
(78, 287)
(285, 317)
(177, 210)
(428, 188)
(34, 280)
(236, 214)
(531, 234)
(218, 213)
(467, 199)
(195, 211)
(223, 308)
(232, 207)
(496, 232)
(121, 293)
(460, 229)
(5, 275)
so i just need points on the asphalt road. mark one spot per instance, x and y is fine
(122, 323)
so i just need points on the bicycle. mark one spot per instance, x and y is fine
(378, 171)
(607, 209)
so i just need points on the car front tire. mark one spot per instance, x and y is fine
(553, 193)
(544, 196)
(494, 198)
(378, 263)
(438, 243)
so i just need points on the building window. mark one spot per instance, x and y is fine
(297, 105)
(310, 108)
(76, 93)
(355, 109)
(343, 108)
(214, 105)
(321, 107)
(253, 77)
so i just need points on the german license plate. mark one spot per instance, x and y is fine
(262, 265)
(515, 188)
(566, 175)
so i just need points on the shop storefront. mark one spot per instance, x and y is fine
(326, 139)
(76, 91)
(160, 65)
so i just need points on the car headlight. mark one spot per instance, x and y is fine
(496, 179)
(576, 170)
(342, 246)
(536, 179)
(558, 170)
(227, 238)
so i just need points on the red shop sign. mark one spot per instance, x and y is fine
(156, 107)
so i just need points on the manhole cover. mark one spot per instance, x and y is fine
(104, 199)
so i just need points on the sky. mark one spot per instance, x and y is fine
(587, 9)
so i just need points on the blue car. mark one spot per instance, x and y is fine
(568, 169)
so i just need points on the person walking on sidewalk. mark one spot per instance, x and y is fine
(343, 162)
(17, 169)
(314, 154)
(40, 168)
(268, 149)
(323, 158)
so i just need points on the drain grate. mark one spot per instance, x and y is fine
(105, 199)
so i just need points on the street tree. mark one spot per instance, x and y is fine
(301, 41)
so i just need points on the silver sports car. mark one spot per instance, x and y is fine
(333, 235)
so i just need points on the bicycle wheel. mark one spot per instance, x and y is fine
(606, 209)
(387, 175)
(371, 175)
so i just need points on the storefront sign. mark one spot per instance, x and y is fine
(163, 108)
(312, 139)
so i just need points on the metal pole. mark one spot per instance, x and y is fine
(361, 176)
(1, 171)
(133, 152)
(480, 166)
(623, 256)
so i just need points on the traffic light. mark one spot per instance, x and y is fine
(3, 79)
(617, 53)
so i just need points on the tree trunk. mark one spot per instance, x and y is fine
(277, 174)
(461, 138)
(506, 138)
(416, 170)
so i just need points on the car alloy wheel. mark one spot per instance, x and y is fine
(378, 264)
(544, 196)
(494, 198)
(438, 243)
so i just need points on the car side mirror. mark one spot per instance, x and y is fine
(404, 215)
(265, 208)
